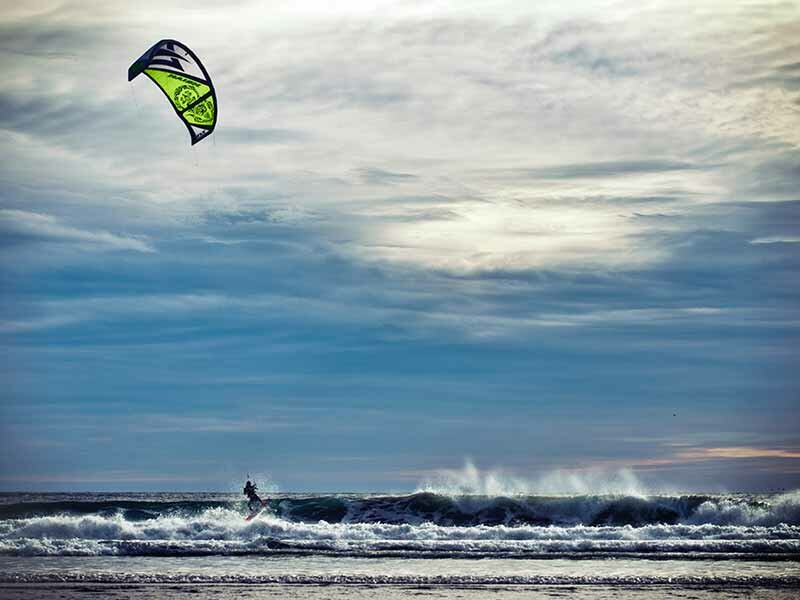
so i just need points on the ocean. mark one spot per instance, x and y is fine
(373, 545)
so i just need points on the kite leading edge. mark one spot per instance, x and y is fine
(177, 71)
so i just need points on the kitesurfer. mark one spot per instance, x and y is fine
(253, 501)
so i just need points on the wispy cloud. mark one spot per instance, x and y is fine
(162, 423)
(376, 176)
(113, 477)
(602, 169)
(734, 452)
(482, 321)
(776, 240)
(24, 226)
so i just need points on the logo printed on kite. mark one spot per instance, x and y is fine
(202, 112)
(184, 95)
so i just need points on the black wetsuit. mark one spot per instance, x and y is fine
(250, 491)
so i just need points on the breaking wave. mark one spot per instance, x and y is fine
(424, 524)
(445, 510)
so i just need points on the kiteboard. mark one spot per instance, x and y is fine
(258, 510)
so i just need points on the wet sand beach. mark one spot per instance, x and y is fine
(388, 592)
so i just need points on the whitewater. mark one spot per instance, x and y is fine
(424, 524)
(427, 538)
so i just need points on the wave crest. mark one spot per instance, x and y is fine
(115, 517)
(421, 524)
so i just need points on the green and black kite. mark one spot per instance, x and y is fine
(177, 71)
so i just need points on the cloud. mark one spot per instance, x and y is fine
(604, 169)
(734, 452)
(114, 476)
(480, 236)
(19, 226)
(34, 324)
(237, 219)
(56, 116)
(375, 176)
(776, 240)
(397, 313)
(261, 135)
(435, 116)
(160, 423)
(773, 178)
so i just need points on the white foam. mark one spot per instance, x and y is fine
(224, 531)
(727, 511)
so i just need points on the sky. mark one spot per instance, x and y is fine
(556, 241)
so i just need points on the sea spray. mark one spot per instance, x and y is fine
(470, 480)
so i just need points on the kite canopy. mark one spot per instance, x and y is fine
(178, 72)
